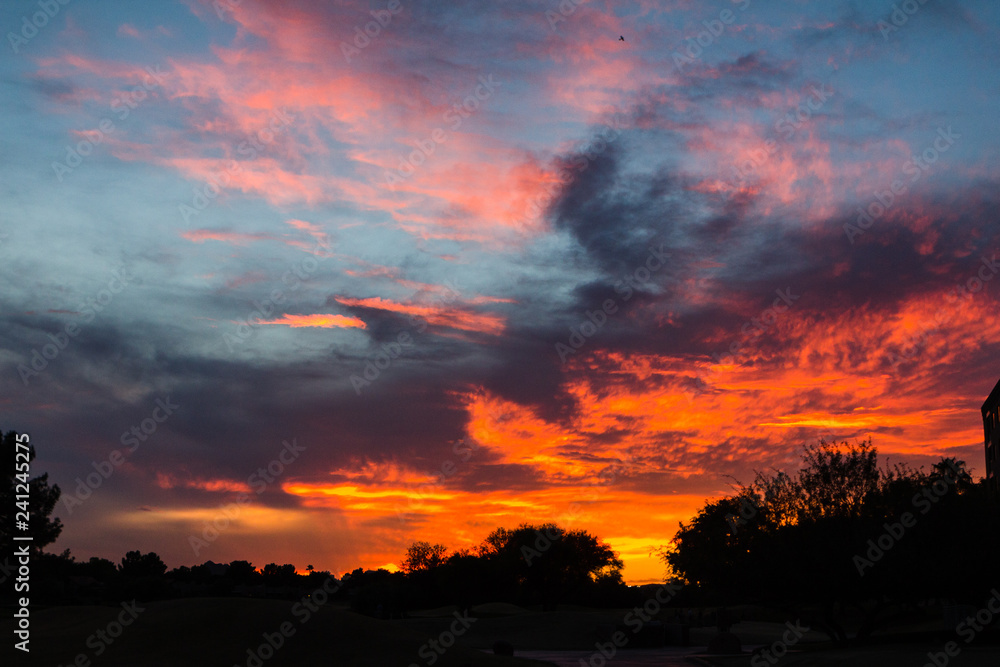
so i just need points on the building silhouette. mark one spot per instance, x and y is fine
(991, 430)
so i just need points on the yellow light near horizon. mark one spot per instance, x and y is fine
(354, 491)
(242, 519)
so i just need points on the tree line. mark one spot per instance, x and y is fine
(844, 543)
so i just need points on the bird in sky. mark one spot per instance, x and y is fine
(621, 38)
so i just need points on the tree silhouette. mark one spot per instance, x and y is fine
(101, 569)
(832, 538)
(279, 575)
(837, 481)
(547, 561)
(39, 505)
(423, 556)
(136, 564)
(242, 572)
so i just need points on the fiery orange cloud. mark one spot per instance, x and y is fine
(441, 316)
(649, 427)
(462, 519)
(165, 481)
(521, 437)
(322, 320)
(679, 421)
(573, 492)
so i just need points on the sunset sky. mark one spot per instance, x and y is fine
(485, 264)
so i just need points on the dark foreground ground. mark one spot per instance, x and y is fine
(219, 632)
(225, 632)
(876, 656)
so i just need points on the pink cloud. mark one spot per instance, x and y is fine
(236, 238)
(127, 30)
